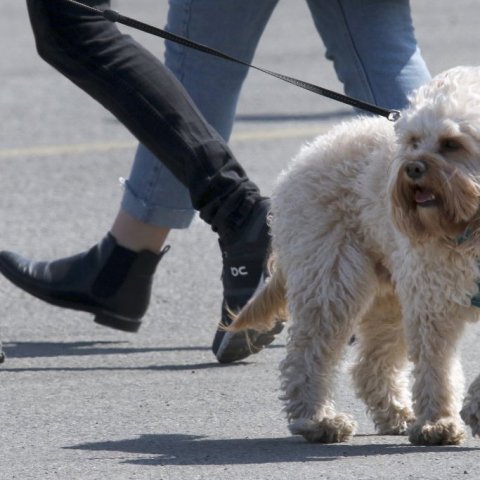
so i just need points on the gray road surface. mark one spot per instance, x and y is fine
(80, 401)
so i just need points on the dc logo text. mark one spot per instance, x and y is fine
(238, 271)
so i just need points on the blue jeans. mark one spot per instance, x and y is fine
(371, 43)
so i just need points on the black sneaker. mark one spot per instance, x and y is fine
(244, 271)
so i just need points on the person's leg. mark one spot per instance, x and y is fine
(142, 93)
(372, 44)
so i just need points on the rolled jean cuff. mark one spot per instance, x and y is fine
(157, 215)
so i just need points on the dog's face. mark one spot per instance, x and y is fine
(435, 178)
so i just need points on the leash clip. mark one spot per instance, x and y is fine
(394, 115)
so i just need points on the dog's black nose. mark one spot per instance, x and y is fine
(415, 169)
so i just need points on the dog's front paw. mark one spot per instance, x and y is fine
(327, 430)
(446, 431)
(471, 408)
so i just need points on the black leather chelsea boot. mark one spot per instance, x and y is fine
(110, 281)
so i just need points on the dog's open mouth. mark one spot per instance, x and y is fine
(424, 197)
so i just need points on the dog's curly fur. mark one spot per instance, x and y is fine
(376, 232)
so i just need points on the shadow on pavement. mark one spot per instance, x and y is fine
(179, 449)
(119, 368)
(66, 349)
(23, 350)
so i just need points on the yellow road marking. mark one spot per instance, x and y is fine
(52, 150)
(83, 148)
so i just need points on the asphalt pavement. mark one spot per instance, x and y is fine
(80, 401)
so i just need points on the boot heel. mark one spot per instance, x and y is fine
(118, 323)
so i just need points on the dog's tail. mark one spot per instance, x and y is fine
(265, 309)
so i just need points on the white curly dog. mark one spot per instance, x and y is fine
(376, 231)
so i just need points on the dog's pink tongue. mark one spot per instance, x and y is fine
(422, 196)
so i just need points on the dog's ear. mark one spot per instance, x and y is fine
(463, 210)
(470, 240)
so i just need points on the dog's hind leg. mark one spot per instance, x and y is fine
(380, 373)
(324, 302)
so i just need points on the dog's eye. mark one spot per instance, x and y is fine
(450, 145)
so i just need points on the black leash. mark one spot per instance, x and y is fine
(113, 16)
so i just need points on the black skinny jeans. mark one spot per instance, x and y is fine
(142, 93)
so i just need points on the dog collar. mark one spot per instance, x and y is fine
(464, 236)
(475, 299)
